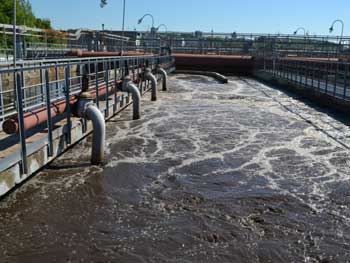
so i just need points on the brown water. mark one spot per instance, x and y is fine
(212, 173)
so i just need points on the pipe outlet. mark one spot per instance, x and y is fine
(87, 109)
(130, 87)
(164, 75)
(149, 76)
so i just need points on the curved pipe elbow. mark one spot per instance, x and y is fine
(99, 134)
(164, 75)
(149, 76)
(130, 87)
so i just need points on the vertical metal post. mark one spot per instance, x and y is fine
(299, 72)
(327, 77)
(68, 111)
(96, 85)
(2, 111)
(42, 85)
(307, 75)
(336, 79)
(22, 136)
(106, 68)
(24, 98)
(48, 110)
(319, 79)
(14, 33)
(346, 70)
(115, 87)
(57, 84)
(123, 28)
(313, 75)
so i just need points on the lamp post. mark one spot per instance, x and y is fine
(102, 5)
(331, 29)
(153, 29)
(160, 39)
(14, 33)
(305, 36)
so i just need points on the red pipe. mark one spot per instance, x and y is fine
(80, 53)
(36, 117)
(39, 116)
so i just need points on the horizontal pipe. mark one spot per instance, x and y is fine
(81, 53)
(36, 117)
(39, 116)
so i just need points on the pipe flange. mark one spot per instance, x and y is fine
(85, 101)
(126, 81)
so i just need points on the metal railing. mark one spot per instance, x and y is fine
(329, 77)
(60, 72)
(39, 43)
(38, 85)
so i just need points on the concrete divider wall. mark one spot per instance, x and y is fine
(229, 65)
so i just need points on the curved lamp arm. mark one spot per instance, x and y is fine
(300, 28)
(331, 29)
(141, 19)
(163, 25)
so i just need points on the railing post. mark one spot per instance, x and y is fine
(336, 79)
(96, 86)
(2, 112)
(300, 73)
(57, 84)
(22, 136)
(48, 110)
(115, 106)
(42, 86)
(346, 70)
(68, 110)
(327, 66)
(23, 84)
(106, 69)
(313, 74)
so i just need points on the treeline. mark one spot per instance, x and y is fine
(25, 15)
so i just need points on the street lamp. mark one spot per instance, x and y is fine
(141, 19)
(153, 29)
(331, 29)
(102, 5)
(300, 28)
(162, 25)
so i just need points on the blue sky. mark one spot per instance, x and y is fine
(257, 16)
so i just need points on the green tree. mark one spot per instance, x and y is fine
(24, 16)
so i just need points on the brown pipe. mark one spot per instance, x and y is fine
(36, 117)
(80, 53)
(39, 116)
